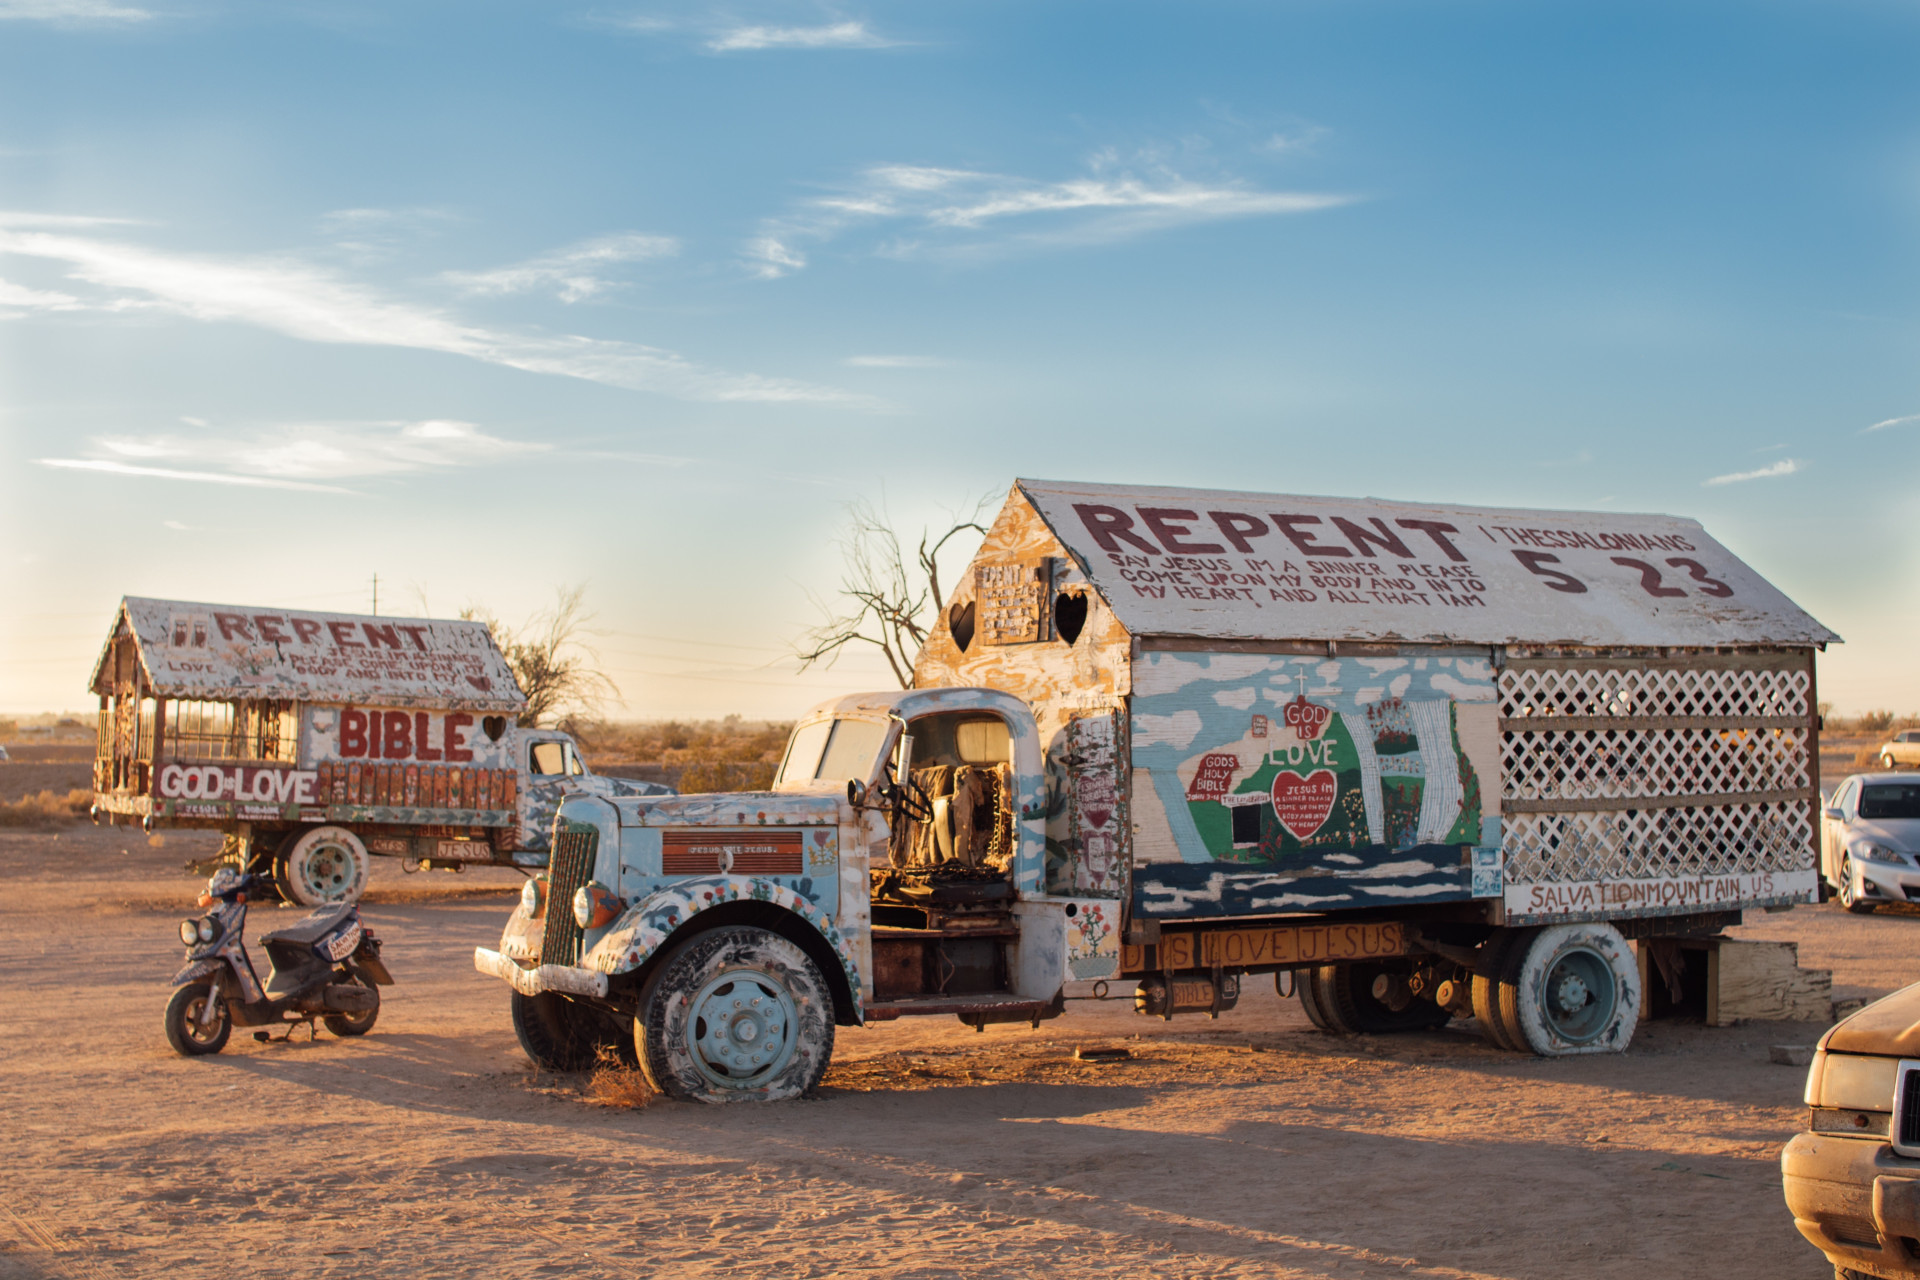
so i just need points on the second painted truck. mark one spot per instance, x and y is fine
(1419, 762)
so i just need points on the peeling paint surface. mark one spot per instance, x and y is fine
(647, 925)
(216, 651)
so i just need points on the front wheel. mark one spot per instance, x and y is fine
(1849, 890)
(1888, 763)
(736, 1014)
(184, 1013)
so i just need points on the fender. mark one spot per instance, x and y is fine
(198, 969)
(633, 939)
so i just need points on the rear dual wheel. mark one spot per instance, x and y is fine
(1340, 998)
(1558, 991)
(561, 1034)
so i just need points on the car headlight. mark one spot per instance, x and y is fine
(1867, 851)
(189, 931)
(1852, 1082)
(596, 906)
(205, 929)
(531, 894)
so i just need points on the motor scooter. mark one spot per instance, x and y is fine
(324, 967)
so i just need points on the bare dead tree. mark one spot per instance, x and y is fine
(551, 658)
(885, 600)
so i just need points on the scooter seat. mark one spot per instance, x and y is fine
(310, 930)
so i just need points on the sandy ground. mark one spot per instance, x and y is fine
(1253, 1146)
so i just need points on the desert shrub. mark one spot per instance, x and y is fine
(1866, 756)
(46, 809)
(1875, 721)
(615, 1084)
(728, 741)
(727, 775)
(9, 729)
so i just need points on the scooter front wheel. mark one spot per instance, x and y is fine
(185, 1031)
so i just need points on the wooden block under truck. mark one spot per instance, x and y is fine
(314, 740)
(1418, 762)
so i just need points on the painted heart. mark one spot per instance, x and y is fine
(1303, 804)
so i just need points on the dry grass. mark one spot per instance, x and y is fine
(615, 1084)
(46, 809)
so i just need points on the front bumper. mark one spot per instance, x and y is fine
(1888, 881)
(1856, 1200)
(546, 977)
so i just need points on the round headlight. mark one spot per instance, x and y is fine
(206, 930)
(189, 931)
(530, 894)
(596, 906)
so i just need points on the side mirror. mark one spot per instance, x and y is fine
(1837, 815)
(856, 793)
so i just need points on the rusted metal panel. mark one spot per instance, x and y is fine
(232, 652)
(706, 852)
(1231, 565)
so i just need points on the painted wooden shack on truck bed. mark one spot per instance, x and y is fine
(1258, 704)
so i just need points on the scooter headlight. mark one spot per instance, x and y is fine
(532, 893)
(205, 929)
(190, 931)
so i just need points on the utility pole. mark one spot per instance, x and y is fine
(376, 595)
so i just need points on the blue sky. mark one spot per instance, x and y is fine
(487, 298)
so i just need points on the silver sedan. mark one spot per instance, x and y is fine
(1870, 841)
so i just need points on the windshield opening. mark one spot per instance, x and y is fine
(833, 751)
(1890, 800)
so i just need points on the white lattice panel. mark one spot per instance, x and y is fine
(1583, 764)
(1546, 848)
(1651, 691)
(1609, 763)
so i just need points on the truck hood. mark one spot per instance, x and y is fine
(1901, 833)
(1889, 1026)
(729, 809)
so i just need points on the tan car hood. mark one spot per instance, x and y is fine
(1888, 1026)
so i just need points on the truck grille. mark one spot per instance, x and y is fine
(570, 867)
(1907, 1118)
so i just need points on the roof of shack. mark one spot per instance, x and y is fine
(220, 651)
(1220, 564)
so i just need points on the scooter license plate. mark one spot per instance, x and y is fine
(463, 851)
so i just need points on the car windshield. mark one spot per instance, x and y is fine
(1890, 800)
(833, 751)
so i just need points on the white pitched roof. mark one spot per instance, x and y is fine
(1219, 564)
(223, 651)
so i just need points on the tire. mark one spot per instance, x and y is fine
(1348, 990)
(1506, 992)
(557, 1033)
(1888, 763)
(183, 1021)
(322, 865)
(1576, 991)
(1310, 1001)
(1486, 990)
(355, 1024)
(1848, 895)
(736, 1014)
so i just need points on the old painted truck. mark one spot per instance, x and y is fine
(1418, 762)
(314, 740)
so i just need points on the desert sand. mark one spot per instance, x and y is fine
(1251, 1146)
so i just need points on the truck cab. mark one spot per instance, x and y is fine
(893, 869)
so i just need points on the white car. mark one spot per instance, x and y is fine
(1902, 748)
(1870, 841)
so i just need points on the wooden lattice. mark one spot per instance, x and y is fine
(1719, 757)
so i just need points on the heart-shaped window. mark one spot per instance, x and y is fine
(960, 623)
(494, 727)
(1069, 614)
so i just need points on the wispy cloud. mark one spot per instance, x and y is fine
(575, 273)
(836, 35)
(70, 12)
(301, 300)
(958, 212)
(896, 362)
(169, 473)
(16, 297)
(1784, 467)
(303, 455)
(1893, 422)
